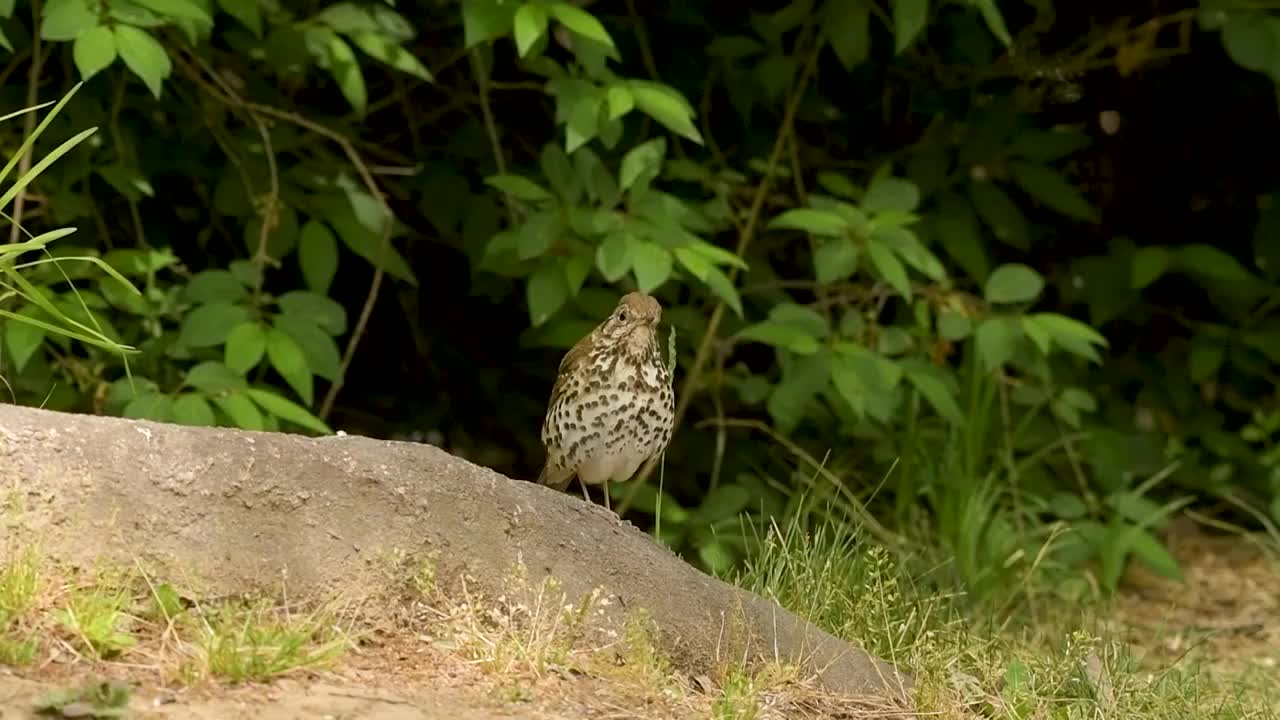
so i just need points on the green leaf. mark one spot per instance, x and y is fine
(666, 106)
(620, 101)
(321, 350)
(546, 292)
(246, 344)
(1148, 549)
(583, 23)
(486, 19)
(997, 341)
(1149, 263)
(834, 260)
(193, 409)
(652, 265)
(386, 50)
(1000, 214)
(94, 50)
(281, 233)
(724, 289)
(64, 20)
(954, 326)
(697, 264)
(1013, 283)
(178, 9)
(209, 325)
(317, 256)
(1210, 262)
(576, 270)
(1047, 145)
(287, 358)
(1047, 186)
(642, 163)
(359, 221)
(346, 72)
(150, 406)
(889, 267)
(786, 336)
(1205, 358)
(246, 11)
(241, 410)
(957, 229)
(519, 187)
(326, 313)
(891, 193)
(536, 236)
(907, 246)
(613, 256)
(1249, 41)
(909, 19)
(1038, 335)
(213, 378)
(530, 25)
(215, 286)
(928, 382)
(583, 122)
(144, 56)
(22, 339)
(799, 315)
(348, 18)
(1071, 334)
(287, 410)
(848, 31)
(789, 400)
(819, 222)
(995, 21)
(718, 255)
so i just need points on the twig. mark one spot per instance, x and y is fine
(491, 126)
(117, 139)
(744, 239)
(28, 123)
(269, 213)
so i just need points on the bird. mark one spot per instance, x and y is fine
(612, 407)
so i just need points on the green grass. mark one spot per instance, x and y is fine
(110, 614)
(980, 660)
(259, 641)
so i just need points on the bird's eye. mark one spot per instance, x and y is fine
(622, 316)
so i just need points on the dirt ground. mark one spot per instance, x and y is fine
(1225, 613)
(1228, 612)
(401, 678)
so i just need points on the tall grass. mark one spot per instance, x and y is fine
(978, 659)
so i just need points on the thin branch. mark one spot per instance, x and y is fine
(491, 126)
(29, 123)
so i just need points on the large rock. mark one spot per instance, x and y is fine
(244, 510)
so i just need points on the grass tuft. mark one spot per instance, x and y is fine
(971, 663)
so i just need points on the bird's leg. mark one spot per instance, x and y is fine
(606, 496)
(583, 484)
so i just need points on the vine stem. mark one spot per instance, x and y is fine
(491, 125)
(745, 237)
(28, 123)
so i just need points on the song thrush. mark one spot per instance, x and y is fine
(612, 406)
